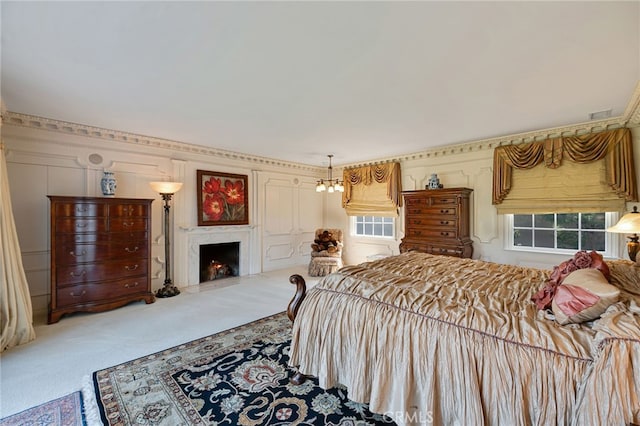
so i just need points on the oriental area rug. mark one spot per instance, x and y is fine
(64, 411)
(236, 377)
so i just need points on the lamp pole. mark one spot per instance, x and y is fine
(169, 290)
(167, 189)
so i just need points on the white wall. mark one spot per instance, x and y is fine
(284, 208)
(47, 159)
(468, 166)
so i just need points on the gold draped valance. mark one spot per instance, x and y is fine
(613, 148)
(374, 190)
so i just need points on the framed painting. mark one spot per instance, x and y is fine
(222, 199)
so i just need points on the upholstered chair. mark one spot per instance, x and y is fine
(326, 256)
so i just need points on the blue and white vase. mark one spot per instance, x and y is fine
(108, 184)
(434, 182)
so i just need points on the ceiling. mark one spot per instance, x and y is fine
(296, 81)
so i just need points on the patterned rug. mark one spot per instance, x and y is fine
(236, 377)
(64, 411)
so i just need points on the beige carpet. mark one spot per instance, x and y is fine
(54, 364)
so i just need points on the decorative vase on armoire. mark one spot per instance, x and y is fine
(108, 184)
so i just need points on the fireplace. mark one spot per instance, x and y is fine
(188, 242)
(219, 260)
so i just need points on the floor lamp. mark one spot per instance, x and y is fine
(167, 189)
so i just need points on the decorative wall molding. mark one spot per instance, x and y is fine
(35, 122)
(630, 118)
(633, 109)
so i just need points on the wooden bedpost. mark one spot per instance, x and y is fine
(292, 311)
(301, 292)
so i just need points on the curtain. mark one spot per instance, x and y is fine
(593, 172)
(374, 190)
(16, 313)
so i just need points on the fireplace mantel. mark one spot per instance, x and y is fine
(190, 238)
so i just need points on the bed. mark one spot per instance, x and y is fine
(428, 339)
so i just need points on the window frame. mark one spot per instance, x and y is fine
(353, 228)
(612, 240)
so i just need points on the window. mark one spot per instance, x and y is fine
(562, 232)
(373, 226)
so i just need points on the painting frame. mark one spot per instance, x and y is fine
(223, 198)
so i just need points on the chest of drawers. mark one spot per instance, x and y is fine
(100, 253)
(437, 221)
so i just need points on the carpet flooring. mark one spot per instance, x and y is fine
(236, 377)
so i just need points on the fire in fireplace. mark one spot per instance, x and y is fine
(219, 261)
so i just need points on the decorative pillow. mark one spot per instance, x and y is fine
(598, 263)
(584, 295)
(581, 260)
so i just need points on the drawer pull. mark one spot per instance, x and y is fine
(78, 295)
(127, 224)
(418, 232)
(82, 225)
(444, 222)
(81, 274)
(443, 250)
(444, 234)
(130, 210)
(417, 222)
(444, 211)
(82, 209)
(127, 285)
(73, 253)
(131, 268)
(128, 250)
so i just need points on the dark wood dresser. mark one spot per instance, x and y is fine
(100, 253)
(437, 221)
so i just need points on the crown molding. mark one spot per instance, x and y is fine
(35, 122)
(632, 113)
(630, 118)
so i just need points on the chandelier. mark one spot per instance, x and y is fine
(330, 185)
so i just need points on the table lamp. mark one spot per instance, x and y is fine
(629, 224)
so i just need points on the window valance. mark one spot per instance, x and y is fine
(593, 172)
(374, 190)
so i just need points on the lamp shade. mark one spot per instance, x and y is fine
(166, 187)
(628, 224)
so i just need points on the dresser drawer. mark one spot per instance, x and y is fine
(127, 224)
(128, 210)
(431, 233)
(87, 272)
(447, 251)
(430, 248)
(80, 294)
(100, 237)
(430, 221)
(438, 201)
(80, 210)
(81, 225)
(431, 211)
(71, 253)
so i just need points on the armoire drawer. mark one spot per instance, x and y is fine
(86, 272)
(105, 290)
(71, 253)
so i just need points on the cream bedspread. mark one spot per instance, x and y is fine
(432, 339)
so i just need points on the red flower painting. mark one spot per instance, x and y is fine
(222, 199)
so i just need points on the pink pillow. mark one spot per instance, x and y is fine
(584, 295)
